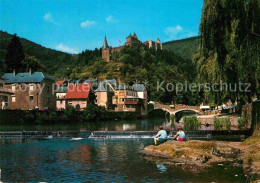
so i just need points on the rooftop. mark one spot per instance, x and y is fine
(36, 77)
(104, 86)
(78, 91)
(139, 87)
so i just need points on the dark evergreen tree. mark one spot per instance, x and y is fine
(15, 55)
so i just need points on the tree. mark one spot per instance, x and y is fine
(15, 55)
(229, 48)
(31, 62)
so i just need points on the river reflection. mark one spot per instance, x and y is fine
(127, 125)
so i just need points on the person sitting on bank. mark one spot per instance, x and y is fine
(161, 136)
(180, 135)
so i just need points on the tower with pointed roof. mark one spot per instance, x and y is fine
(135, 36)
(105, 51)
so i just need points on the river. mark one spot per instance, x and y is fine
(97, 160)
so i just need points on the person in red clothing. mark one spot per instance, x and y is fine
(180, 135)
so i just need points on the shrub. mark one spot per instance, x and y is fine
(29, 116)
(242, 122)
(191, 122)
(94, 112)
(69, 114)
(222, 123)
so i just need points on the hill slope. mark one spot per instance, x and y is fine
(184, 47)
(52, 59)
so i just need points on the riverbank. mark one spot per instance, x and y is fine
(35, 117)
(251, 154)
(196, 155)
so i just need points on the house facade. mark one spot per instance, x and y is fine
(61, 98)
(78, 95)
(30, 90)
(5, 95)
(61, 90)
(126, 99)
(105, 92)
(142, 94)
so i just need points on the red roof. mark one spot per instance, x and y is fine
(59, 83)
(79, 91)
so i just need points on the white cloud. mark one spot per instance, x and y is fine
(87, 23)
(111, 19)
(177, 32)
(49, 18)
(65, 48)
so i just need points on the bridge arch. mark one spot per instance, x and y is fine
(185, 109)
(157, 110)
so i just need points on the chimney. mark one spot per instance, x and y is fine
(14, 72)
(30, 71)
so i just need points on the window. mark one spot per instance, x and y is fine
(48, 89)
(13, 99)
(31, 98)
(13, 87)
(31, 87)
(61, 101)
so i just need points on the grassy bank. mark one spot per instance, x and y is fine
(205, 153)
(251, 153)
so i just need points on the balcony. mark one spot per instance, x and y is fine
(134, 101)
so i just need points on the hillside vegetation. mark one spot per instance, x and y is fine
(184, 48)
(143, 65)
(52, 60)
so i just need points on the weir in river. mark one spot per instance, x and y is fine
(192, 135)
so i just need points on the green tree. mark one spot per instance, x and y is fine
(31, 62)
(229, 47)
(15, 55)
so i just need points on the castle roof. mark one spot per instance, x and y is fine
(135, 36)
(105, 45)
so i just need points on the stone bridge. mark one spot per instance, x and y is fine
(173, 109)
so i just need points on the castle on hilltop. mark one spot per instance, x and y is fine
(130, 41)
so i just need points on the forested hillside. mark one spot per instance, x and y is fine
(52, 60)
(185, 48)
(132, 64)
(143, 65)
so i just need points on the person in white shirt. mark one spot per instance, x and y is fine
(3, 105)
(161, 136)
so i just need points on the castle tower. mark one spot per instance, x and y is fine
(135, 36)
(158, 40)
(105, 51)
(159, 43)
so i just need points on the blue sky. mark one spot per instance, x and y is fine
(76, 25)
